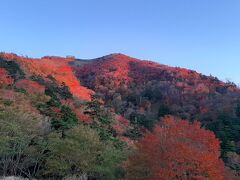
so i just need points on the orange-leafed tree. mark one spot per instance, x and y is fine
(177, 149)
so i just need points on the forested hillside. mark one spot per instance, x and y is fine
(144, 91)
(114, 117)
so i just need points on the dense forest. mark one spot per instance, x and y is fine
(115, 117)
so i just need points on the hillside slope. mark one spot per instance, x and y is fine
(144, 91)
(57, 67)
(121, 97)
(118, 76)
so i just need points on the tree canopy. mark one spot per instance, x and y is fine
(177, 149)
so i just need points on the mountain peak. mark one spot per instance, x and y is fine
(116, 57)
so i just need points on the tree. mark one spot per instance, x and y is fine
(67, 120)
(142, 120)
(57, 91)
(97, 111)
(163, 110)
(177, 149)
(81, 153)
(13, 69)
(21, 152)
(102, 118)
(238, 110)
(227, 129)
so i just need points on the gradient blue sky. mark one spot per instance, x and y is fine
(203, 35)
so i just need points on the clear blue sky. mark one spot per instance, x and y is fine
(203, 35)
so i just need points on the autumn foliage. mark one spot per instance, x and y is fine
(115, 67)
(30, 86)
(56, 67)
(5, 79)
(177, 149)
(122, 98)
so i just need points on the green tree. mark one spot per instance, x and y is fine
(58, 91)
(13, 69)
(102, 118)
(163, 111)
(81, 153)
(142, 120)
(19, 147)
(66, 121)
(96, 110)
(227, 129)
(238, 110)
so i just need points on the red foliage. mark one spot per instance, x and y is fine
(5, 79)
(81, 116)
(113, 67)
(120, 125)
(177, 149)
(56, 110)
(118, 128)
(127, 140)
(118, 71)
(123, 120)
(58, 68)
(30, 86)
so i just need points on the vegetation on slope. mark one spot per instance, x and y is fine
(56, 126)
(144, 92)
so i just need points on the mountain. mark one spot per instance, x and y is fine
(128, 84)
(145, 91)
(120, 97)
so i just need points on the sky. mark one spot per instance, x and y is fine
(203, 35)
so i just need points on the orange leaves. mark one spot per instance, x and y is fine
(114, 68)
(177, 149)
(5, 79)
(81, 116)
(56, 67)
(184, 73)
(30, 86)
